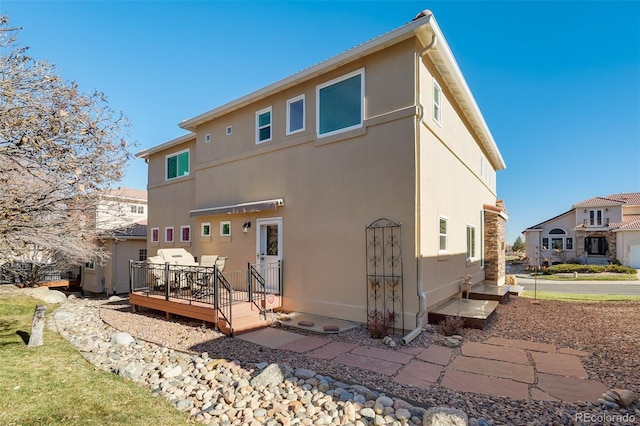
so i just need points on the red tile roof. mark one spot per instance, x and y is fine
(628, 198)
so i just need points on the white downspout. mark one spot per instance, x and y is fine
(422, 297)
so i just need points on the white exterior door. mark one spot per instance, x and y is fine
(269, 250)
(634, 252)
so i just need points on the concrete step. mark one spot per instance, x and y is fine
(489, 292)
(476, 313)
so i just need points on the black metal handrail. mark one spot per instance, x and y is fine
(224, 298)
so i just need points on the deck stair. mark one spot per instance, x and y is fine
(246, 317)
(490, 292)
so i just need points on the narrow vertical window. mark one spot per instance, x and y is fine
(437, 103)
(155, 235)
(185, 234)
(471, 242)
(168, 234)
(263, 125)
(443, 234)
(295, 115)
(205, 230)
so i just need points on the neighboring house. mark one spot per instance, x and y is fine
(121, 219)
(297, 170)
(592, 231)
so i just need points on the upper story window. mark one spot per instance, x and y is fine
(295, 115)
(437, 102)
(443, 234)
(340, 104)
(155, 235)
(595, 217)
(177, 164)
(263, 125)
(225, 228)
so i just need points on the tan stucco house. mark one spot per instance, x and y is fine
(120, 217)
(298, 171)
(593, 231)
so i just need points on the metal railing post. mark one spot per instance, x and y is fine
(280, 277)
(166, 280)
(216, 290)
(130, 276)
(249, 285)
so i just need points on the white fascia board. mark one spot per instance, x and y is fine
(145, 153)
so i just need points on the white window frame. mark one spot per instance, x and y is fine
(140, 209)
(182, 228)
(166, 164)
(229, 130)
(437, 104)
(304, 114)
(202, 229)
(156, 240)
(362, 106)
(90, 265)
(472, 251)
(224, 223)
(166, 232)
(207, 138)
(445, 235)
(595, 212)
(270, 125)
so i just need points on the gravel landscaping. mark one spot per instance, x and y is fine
(609, 332)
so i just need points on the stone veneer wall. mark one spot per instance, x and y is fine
(580, 236)
(494, 247)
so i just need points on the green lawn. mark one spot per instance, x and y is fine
(53, 384)
(579, 297)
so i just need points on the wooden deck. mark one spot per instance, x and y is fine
(61, 283)
(245, 315)
(186, 308)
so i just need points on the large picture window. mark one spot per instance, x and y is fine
(340, 104)
(178, 165)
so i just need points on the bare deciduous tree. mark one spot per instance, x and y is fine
(59, 149)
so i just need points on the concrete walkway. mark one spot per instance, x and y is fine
(516, 369)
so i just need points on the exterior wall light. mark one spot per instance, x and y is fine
(246, 226)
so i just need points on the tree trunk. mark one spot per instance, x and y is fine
(37, 326)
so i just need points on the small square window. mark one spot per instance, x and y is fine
(207, 138)
(225, 228)
(263, 125)
(155, 235)
(229, 130)
(142, 255)
(205, 229)
(185, 234)
(168, 234)
(134, 208)
(90, 265)
(140, 209)
(177, 165)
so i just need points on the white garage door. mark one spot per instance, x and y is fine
(635, 256)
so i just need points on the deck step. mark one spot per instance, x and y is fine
(476, 313)
(245, 317)
(490, 292)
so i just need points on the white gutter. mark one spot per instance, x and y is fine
(422, 297)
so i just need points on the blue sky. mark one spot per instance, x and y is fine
(558, 82)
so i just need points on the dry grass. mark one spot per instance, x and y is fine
(52, 384)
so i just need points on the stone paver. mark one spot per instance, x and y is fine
(538, 395)
(521, 344)
(305, 344)
(419, 374)
(570, 389)
(436, 354)
(493, 368)
(500, 353)
(332, 350)
(469, 382)
(559, 365)
(569, 351)
(385, 354)
(366, 363)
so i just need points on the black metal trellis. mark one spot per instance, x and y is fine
(385, 307)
